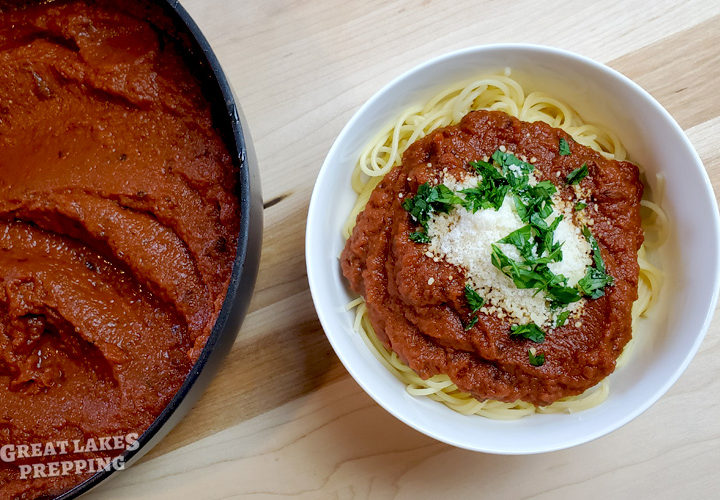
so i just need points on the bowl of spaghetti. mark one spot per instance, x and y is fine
(513, 261)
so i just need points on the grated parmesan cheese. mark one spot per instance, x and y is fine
(464, 239)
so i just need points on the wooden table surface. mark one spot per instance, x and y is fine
(283, 417)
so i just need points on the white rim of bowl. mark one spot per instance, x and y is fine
(315, 207)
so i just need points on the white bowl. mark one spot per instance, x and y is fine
(653, 140)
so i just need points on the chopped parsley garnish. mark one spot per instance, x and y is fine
(562, 319)
(524, 276)
(530, 331)
(577, 175)
(507, 174)
(527, 273)
(536, 359)
(535, 199)
(560, 294)
(564, 147)
(535, 273)
(490, 192)
(522, 239)
(484, 196)
(596, 279)
(515, 170)
(430, 199)
(535, 244)
(475, 302)
(420, 237)
(471, 323)
(597, 256)
(473, 299)
(594, 282)
(535, 334)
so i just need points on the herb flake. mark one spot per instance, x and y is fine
(529, 331)
(564, 147)
(562, 319)
(594, 282)
(490, 192)
(577, 175)
(474, 300)
(420, 237)
(536, 359)
(596, 279)
(597, 256)
(430, 199)
(473, 321)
